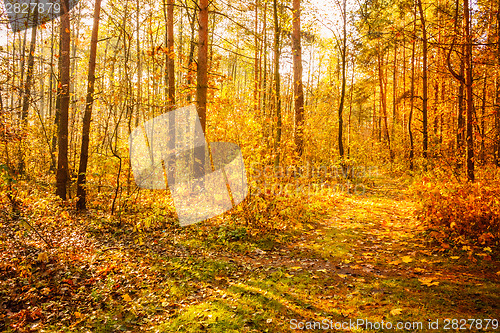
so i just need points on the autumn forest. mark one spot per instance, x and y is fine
(357, 144)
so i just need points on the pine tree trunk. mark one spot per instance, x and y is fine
(297, 79)
(81, 182)
(202, 75)
(425, 135)
(469, 95)
(170, 53)
(63, 88)
(27, 86)
(277, 84)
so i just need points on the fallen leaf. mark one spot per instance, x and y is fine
(126, 298)
(407, 259)
(455, 257)
(396, 312)
(343, 276)
(428, 281)
(43, 256)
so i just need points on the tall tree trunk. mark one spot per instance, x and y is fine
(297, 79)
(202, 75)
(27, 85)
(171, 53)
(412, 93)
(496, 146)
(139, 66)
(29, 74)
(351, 93)
(425, 98)
(469, 95)
(343, 53)
(383, 100)
(168, 10)
(81, 190)
(461, 114)
(394, 90)
(256, 101)
(264, 80)
(63, 96)
(192, 22)
(277, 90)
(202, 84)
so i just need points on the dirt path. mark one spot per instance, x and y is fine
(366, 263)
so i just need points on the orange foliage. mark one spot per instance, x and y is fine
(467, 212)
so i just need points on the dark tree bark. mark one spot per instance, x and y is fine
(202, 85)
(63, 96)
(256, 65)
(170, 54)
(81, 190)
(469, 95)
(412, 93)
(277, 84)
(343, 53)
(496, 147)
(139, 65)
(202, 75)
(192, 45)
(461, 113)
(425, 98)
(297, 79)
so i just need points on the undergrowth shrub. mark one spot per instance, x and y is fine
(461, 212)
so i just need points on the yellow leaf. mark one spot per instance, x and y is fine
(407, 259)
(127, 298)
(321, 270)
(452, 224)
(343, 276)
(419, 270)
(43, 256)
(296, 268)
(395, 262)
(455, 257)
(428, 281)
(78, 314)
(396, 312)
(487, 249)
(498, 273)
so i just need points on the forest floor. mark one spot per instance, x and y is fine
(368, 261)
